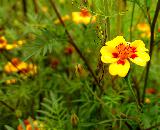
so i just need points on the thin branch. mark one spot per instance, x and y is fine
(24, 4)
(151, 47)
(8, 106)
(131, 25)
(35, 6)
(73, 43)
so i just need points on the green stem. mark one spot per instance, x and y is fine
(133, 93)
(133, 8)
(152, 27)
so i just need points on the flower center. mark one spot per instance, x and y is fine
(124, 52)
(84, 13)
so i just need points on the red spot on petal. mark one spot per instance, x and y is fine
(115, 55)
(121, 62)
(134, 56)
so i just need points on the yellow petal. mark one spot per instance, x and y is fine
(119, 69)
(141, 59)
(76, 17)
(107, 56)
(140, 46)
(116, 41)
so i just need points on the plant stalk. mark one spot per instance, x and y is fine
(73, 43)
(152, 27)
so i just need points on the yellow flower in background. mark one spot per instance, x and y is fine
(15, 66)
(147, 101)
(44, 9)
(64, 18)
(20, 67)
(15, 44)
(145, 29)
(36, 124)
(10, 46)
(118, 52)
(10, 81)
(3, 42)
(83, 17)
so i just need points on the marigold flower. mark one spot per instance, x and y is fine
(15, 44)
(83, 17)
(118, 52)
(147, 101)
(21, 67)
(11, 81)
(36, 124)
(3, 42)
(145, 29)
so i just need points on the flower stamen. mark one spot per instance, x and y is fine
(124, 52)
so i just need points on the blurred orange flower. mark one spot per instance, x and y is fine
(16, 65)
(36, 124)
(3, 42)
(145, 29)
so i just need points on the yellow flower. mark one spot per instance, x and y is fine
(44, 9)
(83, 17)
(147, 101)
(15, 44)
(145, 29)
(10, 46)
(3, 42)
(15, 66)
(36, 124)
(118, 52)
(10, 81)
(64, 18)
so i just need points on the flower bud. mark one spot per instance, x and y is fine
(151, 91)
(69, 50)
(147, 101)
(74, 120)
(80, 71)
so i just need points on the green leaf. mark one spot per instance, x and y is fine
(9, 128)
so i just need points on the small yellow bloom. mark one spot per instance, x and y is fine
(118, 52)
(23, 68)
(10, 46)
(15, 44)
(147, 100)
(64, 18)
(3, 42)
(145, 29)
(44, 9)
(36, 124)
(83, 17)
(11, 81)
(10, 68)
